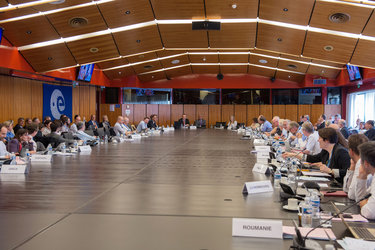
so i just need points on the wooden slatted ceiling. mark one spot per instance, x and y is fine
(164, 53)
(142, 57)
(178, 72)
(296, 12)
(289, 76)
(59, 55)
(60, 21)
(224, 10)
(233, 69)
(269, 62)
(230, 58)
(291, 39)
(322, 11)
(205, 69)
(181, 9)
(29, 31)
(147, 67)
(324, 72)
(81, 49)
(261, 71)
(172, 62)
(3, 3)
(211, 58)
(182, 36)
(288, 65)
(116, 15)
(342, 47)
(119, 73)
(363, 54)
(370, 27)
(152, 77)
(239, 35)
(17, 13)
(148, 38)
(113, 63)
(66, 3)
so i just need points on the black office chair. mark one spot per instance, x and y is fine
(90, 132)
(112, 132)
(176, 125)
(68, 135)
(100, 132)
(240, 125)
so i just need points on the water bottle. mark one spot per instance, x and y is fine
(49, 148)
(27, 155)
(106, 139)
(306, 220)
(292, 172)
(63, 148)
(315, 203)
(277, 178)
(279, 154)
(75, 145)
(13, 159)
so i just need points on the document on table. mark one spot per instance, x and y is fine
(322, 185)
(312, 178)
(356, 218)
(355, 244)
(316, 174)
(317, 234)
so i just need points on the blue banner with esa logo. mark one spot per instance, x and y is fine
(57, 100)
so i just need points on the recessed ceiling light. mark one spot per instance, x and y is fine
(285, 9)
(292, 66)
(339, 17)
(263, 61)
(138, 41)
(279, 39)
(94, 50)
(119, 72)
(127, 12)
(175, 61)
(152, 76)
(141, 56)
(204, 59)
(148, 67)
(288, 76)
(234, 6)
(29, 32)
(328, 48)
(49, 58)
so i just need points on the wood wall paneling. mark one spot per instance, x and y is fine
(331, 110)
(291, 112)
(6, 97)
(190, 111)
(129, 107)
(139, 113)
(164, 115)
(76, 102)
(37, 100)
(303, 110)
(252, 112)
(226, 112)
(278, 110)
(240, 113)
(21, 98)
(112, 115)
(176, 112)
(92, 106)
(266, 111)
(214, 114)
(202, 110)
(316, 111)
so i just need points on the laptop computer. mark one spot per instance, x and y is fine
(359, 232)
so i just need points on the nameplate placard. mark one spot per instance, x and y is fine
(262, 160)
(41, 158)
(255, 187)
(263, 154)
(257, 228)
(193, 127)
(13, 169)
(86, 148)
(259, 142)
(247, 133)
(263, 148)
(261, 168)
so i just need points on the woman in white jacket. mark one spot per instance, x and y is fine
(232, 124)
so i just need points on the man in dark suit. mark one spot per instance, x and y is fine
(321, 122)
(343, 129)
(370, 133)
(152, 123)
(20, 124)
(200, 123)
(184, 122)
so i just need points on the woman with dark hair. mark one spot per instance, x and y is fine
(255, 123)
(20, 141)
(334, 158)
(46, 130)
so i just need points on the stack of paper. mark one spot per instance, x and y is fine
(312, 178)
(317, 234)
(316, 174)
(355, 244)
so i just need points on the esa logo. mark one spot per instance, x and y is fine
(57, 104)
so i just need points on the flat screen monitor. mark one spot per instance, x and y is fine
(353, 72)
(85, 72)
(1, 34)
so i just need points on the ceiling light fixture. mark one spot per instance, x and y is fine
(264, 61)
(328, 48)
(138, 41)
(29, 32)
(279, 39)
(234, 6)
(94, 50)
(127, 12)
(49, 58)
(285, 9)
(176, 61)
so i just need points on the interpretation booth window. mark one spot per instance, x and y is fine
(146, 96)
(334, 95)
(245, 96)
(285, 96)
(196, 96)
(310, 96)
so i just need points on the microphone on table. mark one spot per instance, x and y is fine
(302, 243)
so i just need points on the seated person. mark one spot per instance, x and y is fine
(370, 133)
(32, 130)
(65, 124)
(46, 130)
(265, 126)
(105, 123)
(81, 133)
(334, 159)
(184, 122)
(255, 124)
(142, 126)
(3, 150)
(232, 124)
(321, 122)
(28, 121)
(55, 138)
(367, 154)
(343, 129)
(292, 133)
(20, 141)
(47, 118)
(93, 124)
(350, 179)
(20, 124)
(200, 123)
(73, 126)
(152, 123)
(128, 127)
(10, 134)
(362, 128)
(276, 130)
(312, 146)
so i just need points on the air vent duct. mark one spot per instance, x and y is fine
(77, 22)
(339, 18)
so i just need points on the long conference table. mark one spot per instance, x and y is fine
(176, 191)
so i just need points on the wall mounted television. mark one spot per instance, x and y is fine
(85, 72)
(354, 72)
